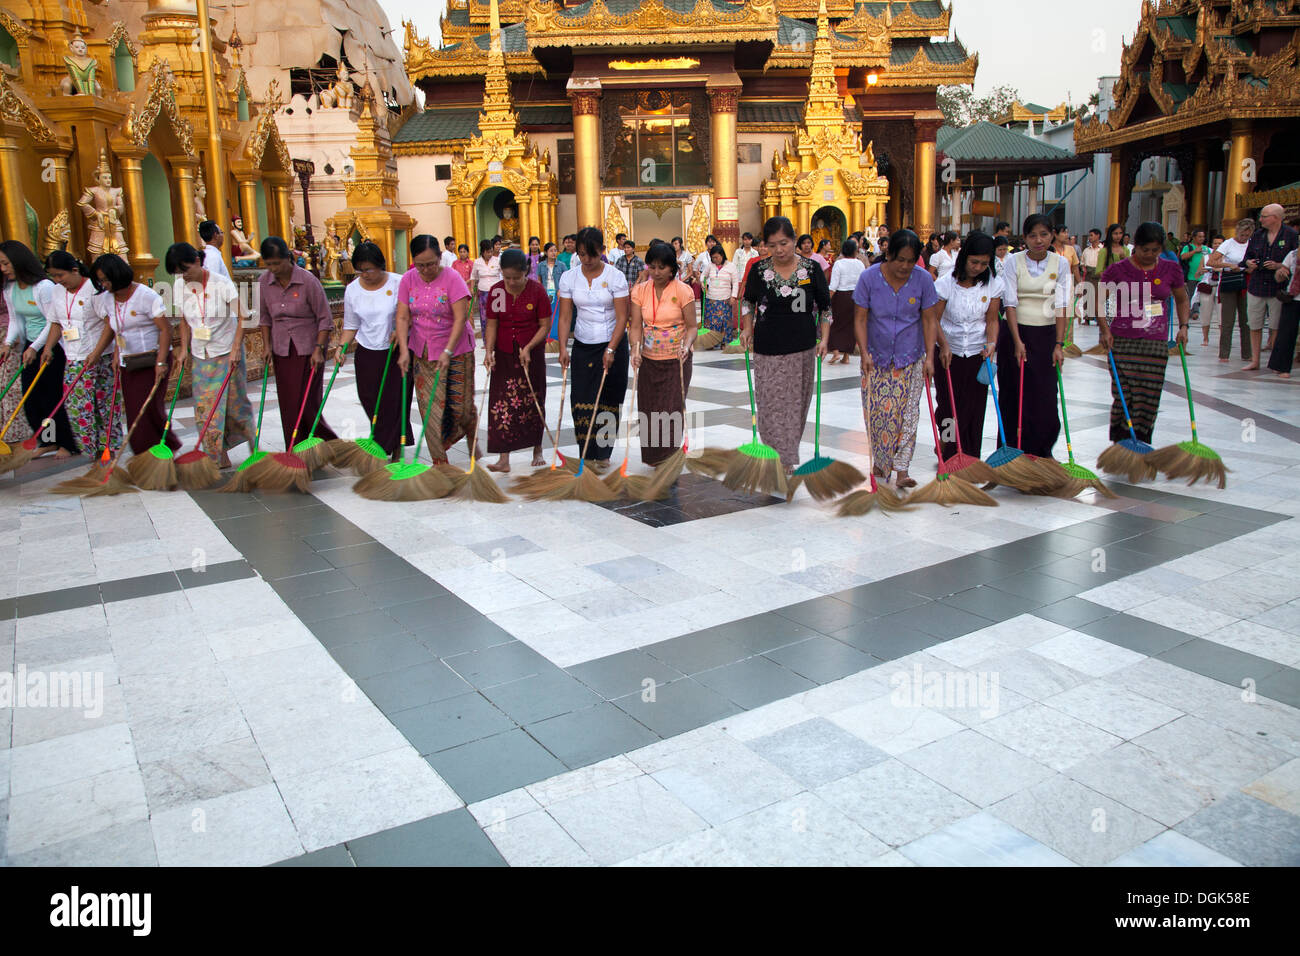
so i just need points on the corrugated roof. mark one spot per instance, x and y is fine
(926, 9)
(514, 39)
(790, 114)
(461, 122)
(986, 141)
(1035, 108)
(790, 31)
(546, 116)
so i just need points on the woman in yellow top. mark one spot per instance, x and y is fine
(663, 330)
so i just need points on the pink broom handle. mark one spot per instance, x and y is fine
(952, 397)
(216, 402)
(929, 406)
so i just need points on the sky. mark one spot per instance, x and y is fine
(1046, 51)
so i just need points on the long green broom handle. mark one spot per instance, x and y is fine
(12, 380)
(1187, 381)
(1119, 387)
(817, 421)
(380, 397)
(261, 406)
(175, 395)
(428, 410)
(997, 409)
(343, 351)
(405, 418)
(1065, 419)
(753, 412)
(216, 403)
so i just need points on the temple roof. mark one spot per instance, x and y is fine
(448, 124)
(988, 142)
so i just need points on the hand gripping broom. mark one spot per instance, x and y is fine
(26, 451)
(946, 489)
(96, 472)
(365, 454)
(239, 481)
(756, 467)
(284, 470)
(314, 451)
(155, 469)
(408, 480)
(7, 453)
(195, 470)
(1189, 459)
(826, 477)
(1080, 477)
(1128, 457)
(962, 465)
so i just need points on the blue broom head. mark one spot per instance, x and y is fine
(1133, 445)
(1003, 455)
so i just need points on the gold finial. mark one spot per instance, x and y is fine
(103, 166)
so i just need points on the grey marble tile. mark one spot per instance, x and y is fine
(895, 803)
(1246, 829)
(1152, 785)
(802, 830)
(975, 767)
(816, 751)
(981, 840)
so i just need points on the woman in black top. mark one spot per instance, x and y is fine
(787, 324)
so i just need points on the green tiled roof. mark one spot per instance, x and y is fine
(458, 18)
(943, 52)
(1035, 108)
(546, 116)
(786, 113)
(790, 30)
(1241, 43)
(1179, 92)
(513, 39)
(1184, 28)
(462, 122)
(926, 9)
(985, 141)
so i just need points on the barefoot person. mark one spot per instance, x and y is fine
(663, 330)
(518, 320)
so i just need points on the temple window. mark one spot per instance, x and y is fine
(657, 148)
(123, 68)
(8, 49)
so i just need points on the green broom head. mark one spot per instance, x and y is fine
(814, 465)
(401, 471)
(757, 449)
(1194, 447)
(1078, 472)
(307, 444)
(252, 460)
(161, 452)
(372, 448)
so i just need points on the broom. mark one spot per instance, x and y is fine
(1080, 477)
(564, 484)
(945, 489)
(656, 487)
(26, 451)
(95, 473)
(7, 453)
(477, 484)
(1008, 469)
(408, 480)
(239, 481)
(115, 480)
(1100, 349)
(545, 478)
(283, 471)
(962, 465)
(619, 481)
(316, 452)
(860, 502)
(365, 454)
(195, 470)
(826, 477)
(1189, 459)
(1128, 457)
(155, 470)
(541, 414)
(1070, 349)
(756, 467)
(1052, 476)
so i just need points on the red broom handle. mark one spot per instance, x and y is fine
(1020, 415)
(681, 370)
(216, 402)
(306, 394)
(112, 410)
(929, 406)
(66, 392)
(131, 431)
(952, 397)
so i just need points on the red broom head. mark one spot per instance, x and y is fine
(960, 461)
(287, 459)
(191, 457)
(30, 443)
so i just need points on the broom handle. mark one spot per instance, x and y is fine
(326, 397)
(1065, 419)
(487, 410)
(817, 420)
(17, 372)
(405, 422)
(753, 413)
(934, 425)
(627, 433)
(261, 406)
(592, 424)
(216, 402)
(536, 404)
(1187, 380)
(997, 409)
(22, 401)
(559, 420)
(380, 397)
(66, 392)
(428, 410)
(952, 397)
(681, 371)
(1020, 414)
(172, 408)
(1119, 387)
(112, 411)
(306, 394)
(126, 442)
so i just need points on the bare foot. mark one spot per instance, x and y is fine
(1283, 374)
(499, 468)
(1251, 368)
(538, 461)
(62, 453)
(904, 481)
(1225, 360)
(44, 450)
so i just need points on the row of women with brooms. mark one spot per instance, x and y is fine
(905, 323)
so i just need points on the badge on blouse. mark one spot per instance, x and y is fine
(388, 292)
(804, 281)
(295, 295)
(71, 334)
(202, 333)
(984, 298)
(912, 301)
(1155, 281)
(33, 302)
(529, 306)
(133, 312)
(604, 285)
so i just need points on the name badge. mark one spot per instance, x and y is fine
(529, 306)
(804, 281)
(71, 334)
(1155, 310)
(202, 333)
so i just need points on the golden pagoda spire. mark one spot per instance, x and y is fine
(498, 114)
(825, 106)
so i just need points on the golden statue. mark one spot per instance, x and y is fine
(819, 232)
(200, 198)
(241, 245)
(331, 252)
(81, 70)
(509, 225)
(103, 208)
(57, 233)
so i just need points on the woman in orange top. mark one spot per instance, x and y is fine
(662, 332)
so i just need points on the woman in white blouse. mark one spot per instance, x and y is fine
(369, 319)
(594, 303)
(75, 326)
(135, 318)
(212, 335)
(844, 279)
(970, 297)
(721, 288)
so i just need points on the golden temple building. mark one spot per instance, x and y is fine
(1214, 85)
(664, 118)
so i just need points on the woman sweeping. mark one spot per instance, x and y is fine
(296, 326)
(369, 321)
(518, 319)
(76, 327)
(844, 279)
(594, 303)
(10, 364)
(1036, 298)
(721, 288)
(663, 332)
(970, 298)
(896, 314)
(434, 333)
(134, 316)
(1138, 333)
(212, 335)
(27, 293)
(787, 326)
(549, 271)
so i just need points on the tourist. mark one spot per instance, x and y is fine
(743, 306)
(970, 298)
(1113, 250)
(135, 317)
(1128, 243)
(788, 327)
(448, 255)
(296, 326)
(1002, 230)
(463, 264)
(534, 255)
(932, 246)
(1137, 334)
(662, 331)
(613, 255)
(212, 340)
(370, 321)
(549, 271)
(432, 321)
(10, 363)
(485, 274)
(1193, 254)
(1062, 246)
(1088, 260)
(566, 254)
(896, 314)
(519, 317)
(212, 238)
(1284, 344)
(844, 279)
(1229, 277)
(942, 261)
(1267, 248)
(702, 260)
(76, 327)
(745, 253)
(1036, 298)
(27, 294)
(805, 248)
(629, 263)
(594, 304)
(721, 290)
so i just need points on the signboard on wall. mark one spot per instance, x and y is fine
(728, 209)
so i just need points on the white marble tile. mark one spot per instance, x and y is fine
(724, 779)
(1260, 640)
(103, 706)
(981, 840)
(1209, 755)
(314, 745)
(253, 639)
(893, 727)
(246, 828)
(1285, 617)
(584, 780)
(74, 809)
(535, 839)
(767, 719)
(1171, 848)
(1280, 787)
(623, 820)
(1086, 654)
(975, 767)
(505, 806)
(1048, 736)
(703, 848)
(60, 622)
(65, 759)
(1033, 675)
(1116, 710)
(803, 830)
(894, 802)
(665, 753)
(127, 844)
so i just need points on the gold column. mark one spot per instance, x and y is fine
(586, 151)
(61, 186)
(216, 179)
(184, 225)
(1113, 213)
(1200, 194)
(137, 227)
(13, 212)
(802, 217)
(278, 217)
(927, 127)
(525, 221)
(248, 206)
(555, 220)
(894, 209)
(723, 104)
(1235, 181)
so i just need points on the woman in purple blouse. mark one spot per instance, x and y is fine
(896, 315)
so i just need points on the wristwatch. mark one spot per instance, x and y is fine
(610, 351)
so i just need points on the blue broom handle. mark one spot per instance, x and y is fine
(1119, 387)
(988, 370)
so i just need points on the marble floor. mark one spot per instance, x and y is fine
(716, 680)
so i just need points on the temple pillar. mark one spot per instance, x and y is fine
(585, 94)
(894, 208)
(278, 214)
(1235, 181)
(956, 207)
(1031, 203)
(13, 211)
(248, 206)
(803, 217)
(555, 220)
(185, 226)
(723, 105)
(923, 196)
(55, 160)
(525, 220)
(137, 226)
(857, 216)
(1199, 194)
(1113, 213)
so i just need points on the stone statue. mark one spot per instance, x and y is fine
(241, 246)
(57, 233)
(200, 198)
(81, 70)
(339, 94)
(509, 225)
(352, 246)
(331, 252)
(103, 207)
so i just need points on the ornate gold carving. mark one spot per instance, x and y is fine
(585, 102)
(614, 223)
(672, 63)
(159, 97)
(701, 222)
(15, 106)
(19, 30)
(461, 58)
(657, 206)
(57, 233)
(652, 22)
(256, 148)
(921, 71)
(118, 35)
(724, 99)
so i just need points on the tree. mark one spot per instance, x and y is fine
(961, 107)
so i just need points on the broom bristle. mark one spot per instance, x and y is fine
(1051, 475)
(362, 462)
(18, 456)
(711, 462)
(281, 472)
(733, 347)
(404, 482)
(616, 481)
(1097, 349)
(946, 490)
(1118, 460)
(243, 479)
(756, 469)
(119, 483)
(545, 484)
(152, 473)
(856, 504)
(1190, 460)
(553, 345)
(833, 480)
(83, 483)
(343, 454)
(890, 500)
(665, 476)
(974, 471)
(314, 453)
(1072, 351)
(1019, 473)
(478, 485)
(195, 471)
(637, 488)
(708, 340)
(589, 487)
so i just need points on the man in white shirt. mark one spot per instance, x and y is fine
(1088, 264)
(448, 252)
(702, 260)
(744, 253)
(616, 253)
(212, 237)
